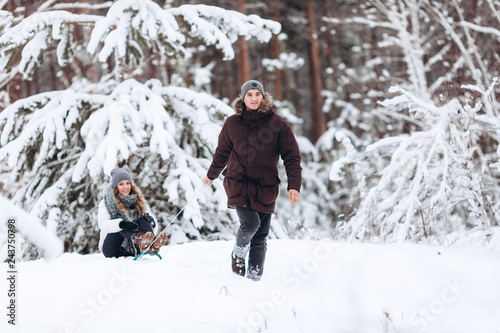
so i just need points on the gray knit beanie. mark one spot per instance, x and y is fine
(252, 84)
(119, 174)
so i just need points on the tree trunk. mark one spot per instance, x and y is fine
(227, 83)
(243, 58)
(276, 47)
(327, 35)
(319, 125)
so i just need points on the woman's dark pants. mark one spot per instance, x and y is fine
(112, 246)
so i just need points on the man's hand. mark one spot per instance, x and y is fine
(293, 196)
(208, 181)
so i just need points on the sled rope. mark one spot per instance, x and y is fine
(172, 221)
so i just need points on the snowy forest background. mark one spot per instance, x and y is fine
(394, 104)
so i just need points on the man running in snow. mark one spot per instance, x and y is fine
(250, 144)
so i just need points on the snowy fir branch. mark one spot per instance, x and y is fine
(114, 132)
(129, 29)
(221, 27)
(35, 34)
(131, 25)
(199, 109)
(29, 139)
(6, 20)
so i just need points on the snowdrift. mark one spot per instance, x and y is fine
(308, 286)
(29, 228)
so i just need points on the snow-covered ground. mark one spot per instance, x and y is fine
(308, 286)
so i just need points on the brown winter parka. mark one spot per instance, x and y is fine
(250, 144)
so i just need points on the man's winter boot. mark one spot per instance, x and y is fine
(147, 239)
(238, 264)
(254, 272)
(160, 240)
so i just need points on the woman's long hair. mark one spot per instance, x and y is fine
(141, 203)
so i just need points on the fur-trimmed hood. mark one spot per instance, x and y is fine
(266, 107)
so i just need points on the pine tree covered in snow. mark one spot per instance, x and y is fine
(60, 146)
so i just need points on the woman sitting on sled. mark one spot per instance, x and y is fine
(126, 228)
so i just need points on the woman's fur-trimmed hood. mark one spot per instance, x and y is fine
(266, 107)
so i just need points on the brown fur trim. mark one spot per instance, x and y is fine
(266, 107)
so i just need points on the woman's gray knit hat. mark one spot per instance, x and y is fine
(119, 174)
(252, 84)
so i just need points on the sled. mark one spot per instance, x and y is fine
(151, 253)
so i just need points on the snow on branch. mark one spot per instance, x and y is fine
(197, 99)
(187, 178)
(221, 27)
(403, 31)
(486, 30)
(29, 228)
(6, 20)
(136, 114)
(406, 97)
(486, 93)
(129, 28)
(373, 23)
(46, 205)
(116, 130)
(284, 61)
(44, 130)
(200, 111)
(89, 6)
(370, 21)
(35, 34)
(128, 22)
(348, 159)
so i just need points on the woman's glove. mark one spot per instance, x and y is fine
(129, 226)
(150, 219)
